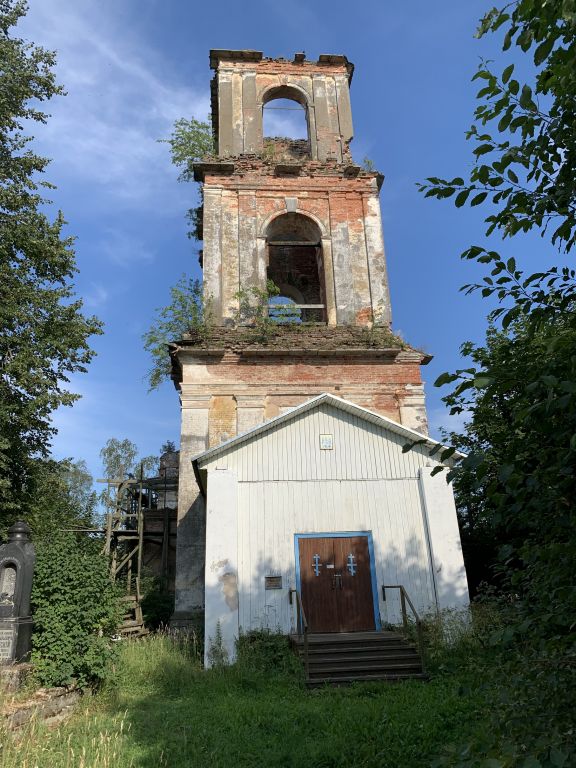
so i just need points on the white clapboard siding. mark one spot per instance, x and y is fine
(270, 513)
(287, 485)
(291, 451)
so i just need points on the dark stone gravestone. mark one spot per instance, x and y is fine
(16, 569)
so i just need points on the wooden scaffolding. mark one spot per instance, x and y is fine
(136, 522)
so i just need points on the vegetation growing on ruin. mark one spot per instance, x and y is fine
(188, 311)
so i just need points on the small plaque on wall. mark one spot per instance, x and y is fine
(326, 442)
(273, 582)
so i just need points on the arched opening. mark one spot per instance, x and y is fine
(296, 267)
(285, 124)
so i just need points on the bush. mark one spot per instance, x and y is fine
(76, 612)
(526, 686)
(454, 638)
(262, 650)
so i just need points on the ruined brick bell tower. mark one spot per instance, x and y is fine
(304, 215)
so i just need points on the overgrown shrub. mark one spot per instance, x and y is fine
(527, 688)
(262, 650)
(453, 638)
(76, 612)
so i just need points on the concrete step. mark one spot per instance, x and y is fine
(398, 658)
(359, 668)
(349, 656)
(385, 678)
(346, 649)
(343, 637)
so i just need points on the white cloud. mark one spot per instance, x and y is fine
(104, 132)
(121, 248)
(97, 296)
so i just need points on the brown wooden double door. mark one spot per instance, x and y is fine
(336, 583)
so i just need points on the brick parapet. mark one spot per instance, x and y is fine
(296, 174)
(254, 61)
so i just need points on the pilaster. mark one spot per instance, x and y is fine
(190, 542)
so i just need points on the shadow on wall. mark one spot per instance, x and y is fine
(231, 608)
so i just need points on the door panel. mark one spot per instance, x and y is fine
(317, 588)
(356, 605)
(336, 583)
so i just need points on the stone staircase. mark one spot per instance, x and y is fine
(347, 657)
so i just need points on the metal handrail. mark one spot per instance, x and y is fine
(301, 625)
(405, 598)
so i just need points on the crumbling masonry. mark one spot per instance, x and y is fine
(304, 215)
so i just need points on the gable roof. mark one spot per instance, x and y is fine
(309, 405)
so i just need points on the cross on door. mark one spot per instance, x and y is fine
(316, 564)
(351, 565)
(336, 583)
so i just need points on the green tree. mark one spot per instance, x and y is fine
(525, 133)
(516, 487)
(188, 311)
(190, 141)
(519, 388)
(63, 498)
(43, 333)
(80, 484)
(119, 458)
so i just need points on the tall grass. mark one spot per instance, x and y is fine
(163, 709)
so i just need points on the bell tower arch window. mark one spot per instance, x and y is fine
(296, 266)
(285, 124)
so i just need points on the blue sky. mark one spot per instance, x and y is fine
(131, 68)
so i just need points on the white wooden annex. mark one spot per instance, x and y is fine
(327, 466)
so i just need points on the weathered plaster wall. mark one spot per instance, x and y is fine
(241, 88)
(190, 544)
(285, 383)
(239, 207)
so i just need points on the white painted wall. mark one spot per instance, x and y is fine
(271, 513)
(287, 485)
(221, 579)
(291, 451)
(446, 547)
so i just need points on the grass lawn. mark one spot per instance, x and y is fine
(163, 710)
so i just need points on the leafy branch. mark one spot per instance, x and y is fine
(189, 311)
(191, 141)
(531, 178)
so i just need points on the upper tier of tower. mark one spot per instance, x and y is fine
(245, 81)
